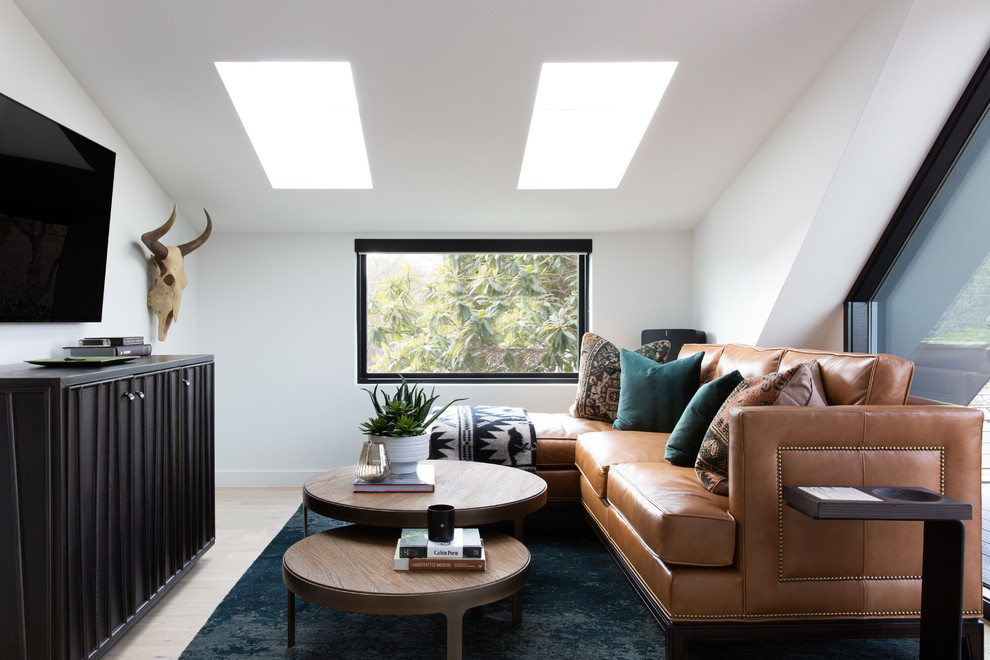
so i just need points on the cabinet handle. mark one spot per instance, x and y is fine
(185, 381)
(141, 394)
(129, 395)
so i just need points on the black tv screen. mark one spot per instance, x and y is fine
(56, 188)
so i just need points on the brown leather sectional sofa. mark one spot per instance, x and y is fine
(746, 564)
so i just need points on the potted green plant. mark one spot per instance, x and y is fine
(402, 422)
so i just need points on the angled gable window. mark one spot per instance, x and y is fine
(924, 294)
(471, 310)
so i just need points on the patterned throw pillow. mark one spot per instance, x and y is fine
(712, 465)
(598, 376)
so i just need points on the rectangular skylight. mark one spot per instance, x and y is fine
(588, 121)
(302, 118)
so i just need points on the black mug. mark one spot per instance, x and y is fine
(440, 522)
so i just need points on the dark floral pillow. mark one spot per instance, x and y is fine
(598, 376)
(712, 465)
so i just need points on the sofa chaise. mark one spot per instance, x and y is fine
(745, 564)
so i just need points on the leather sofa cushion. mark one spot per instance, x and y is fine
(858, 378)
(848, 378)
(563, 425)
(721, 359)
(562, 485)
(673, 513)
(556, 436)
(750, 361)
(555, 453)
(597, 452)
(708, 363)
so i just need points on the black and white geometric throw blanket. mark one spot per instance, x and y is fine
(486, 434)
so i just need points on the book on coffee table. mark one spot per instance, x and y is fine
(466, 544)
(437, 563)
(423, 480)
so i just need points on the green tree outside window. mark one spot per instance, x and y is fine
(473, 313)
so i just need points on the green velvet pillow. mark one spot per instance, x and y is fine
(653, 396)
(685, 440)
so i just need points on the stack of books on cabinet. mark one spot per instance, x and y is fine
(109, 346)
(416, 552)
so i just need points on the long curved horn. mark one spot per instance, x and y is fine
(186, 248)
(151, 238)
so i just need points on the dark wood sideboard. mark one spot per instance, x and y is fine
(106, 497)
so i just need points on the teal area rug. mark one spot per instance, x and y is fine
(576, 605)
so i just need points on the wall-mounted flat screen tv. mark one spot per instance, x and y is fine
(56, 188)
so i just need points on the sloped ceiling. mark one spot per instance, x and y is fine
(445, 89)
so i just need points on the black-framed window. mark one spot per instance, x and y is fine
(471, 310)
(939, 229)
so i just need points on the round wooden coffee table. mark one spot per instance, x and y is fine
(350, 568)
(481, 493)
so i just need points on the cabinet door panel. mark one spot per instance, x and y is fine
(197, 428)
(107, 569)
(98, 526)
(154, 483)
(27, 553)
(171, 464)
(81, 506)
(129, 407)
(106, 497)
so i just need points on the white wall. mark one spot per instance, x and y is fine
(31, 74)
(776, 255)
(279, 313)
(935, 55)
(749, 238)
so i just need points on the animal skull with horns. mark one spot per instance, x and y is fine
(166, 294)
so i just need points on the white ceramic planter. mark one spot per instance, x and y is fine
(404, 454)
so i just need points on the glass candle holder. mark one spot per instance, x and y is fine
(373, 462)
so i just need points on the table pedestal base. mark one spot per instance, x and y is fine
(941, 589)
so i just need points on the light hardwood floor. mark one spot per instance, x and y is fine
(247, 520)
